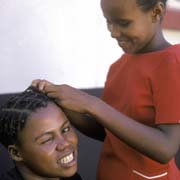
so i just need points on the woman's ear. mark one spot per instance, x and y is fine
(158, 12)
(14, 153)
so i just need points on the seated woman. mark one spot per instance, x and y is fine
(39, 138)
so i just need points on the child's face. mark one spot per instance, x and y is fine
(133, 28)
(48, 144)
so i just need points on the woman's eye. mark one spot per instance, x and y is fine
(66, 129)
(46, 141)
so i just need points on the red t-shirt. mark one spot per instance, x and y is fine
(145, 87)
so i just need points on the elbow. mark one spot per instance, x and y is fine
(166, 155)
(164, 160)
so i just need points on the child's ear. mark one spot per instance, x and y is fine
(14, 153)
(158, 11)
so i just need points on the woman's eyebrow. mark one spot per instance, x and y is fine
(65, 122)
(49, 132)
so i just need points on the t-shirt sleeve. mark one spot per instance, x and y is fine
(166, 91)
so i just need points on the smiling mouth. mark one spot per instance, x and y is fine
(68, 160)
(122, 42)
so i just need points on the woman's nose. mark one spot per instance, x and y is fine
(62, 143)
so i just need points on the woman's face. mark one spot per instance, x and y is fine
(48, 144)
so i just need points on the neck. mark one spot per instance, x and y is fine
(158, 42)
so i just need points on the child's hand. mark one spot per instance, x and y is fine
(41, 84)
(66, 96)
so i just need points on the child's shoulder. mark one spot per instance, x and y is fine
(173, 49)
(172, 54)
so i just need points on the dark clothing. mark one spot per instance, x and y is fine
(14, 174)
(75, 177)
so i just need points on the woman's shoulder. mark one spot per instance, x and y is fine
(13, 174)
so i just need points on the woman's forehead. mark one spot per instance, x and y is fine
(45, 119)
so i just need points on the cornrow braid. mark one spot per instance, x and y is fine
(15, 112)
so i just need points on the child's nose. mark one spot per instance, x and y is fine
(114, 30)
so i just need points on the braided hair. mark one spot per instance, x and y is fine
(15, 112)
(149, 4)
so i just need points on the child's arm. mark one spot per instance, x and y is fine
(160, 143)
(86, 124)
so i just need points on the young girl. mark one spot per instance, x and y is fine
(139, 110)
(39, 138)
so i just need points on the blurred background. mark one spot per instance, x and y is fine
(63, 41)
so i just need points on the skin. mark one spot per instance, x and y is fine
(136, 32)
(45, 140)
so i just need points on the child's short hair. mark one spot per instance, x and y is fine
(15, 112)
(149, 4)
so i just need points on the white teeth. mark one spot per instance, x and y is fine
(67, 159)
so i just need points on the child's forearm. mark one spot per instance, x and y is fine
(86, 124)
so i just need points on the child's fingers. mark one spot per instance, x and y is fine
(35, 82)
(54, 94)
(49, 87)
(40, 84)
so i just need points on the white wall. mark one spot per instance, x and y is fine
(64, 41)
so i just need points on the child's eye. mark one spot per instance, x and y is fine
(123, 23)
(108, 22)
